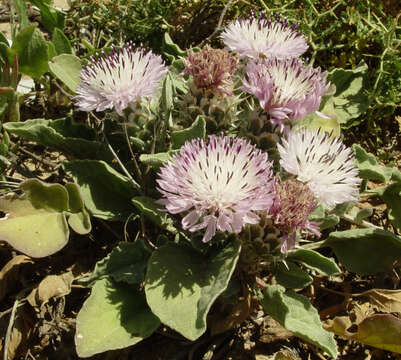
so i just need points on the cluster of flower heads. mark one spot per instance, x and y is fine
(222, 184)
(286, 88)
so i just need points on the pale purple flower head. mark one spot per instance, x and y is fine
(211, 69)
(119, 79)
(322, 162)
(285, 89)
(292, 204)
(219, 184)
(259, 37)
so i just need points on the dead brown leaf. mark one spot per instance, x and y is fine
(237, 314)
(339, 326)
(359, 312)
(9, 274)
(280, 355)
(382, 331)
(273, 331)
(383, 300)
(52, 286)
(20, 334)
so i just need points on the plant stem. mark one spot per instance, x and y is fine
(314, 245)
(9, 329)
(123, 168)
(136, 166)
(363, 223)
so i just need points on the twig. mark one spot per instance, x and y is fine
(344, 294)
(264, 5)
(9, 329)
(65, 93)
(126, 235)
(136, 166)
(123, 168)
(315, 245)
(218, 27)
(107, 226)
(38, 158)
(363, 223)
(147, 240)
(5, 312)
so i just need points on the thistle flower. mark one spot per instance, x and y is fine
(322, 162)
(219, 184)
(211, 68)
(119, 79)
(293, 202)
(286, 89)
(264, 38)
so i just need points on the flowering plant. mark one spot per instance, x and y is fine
(214, 215)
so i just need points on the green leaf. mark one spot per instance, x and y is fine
(291, 276)
(127, 263)
(324, 220)
(75, 202)
(61, 42)
(368, 166)
(170, 48)
(296, 314)
(114, 316)
(35, 223)
(316, 121)
(315, 261)
(62, 134)
(392, 197)
(152, 211)
(50, 17)
(181, 284)
(79, 220)
(156, 160)
(51, 197)
(21, 8)
(67, 68)
(350, 100)
(361, 214)
(197, 130)
(366, 251)
(106, 193)
(31, 49)
(51, 50)
(4, 41)
(167, 94)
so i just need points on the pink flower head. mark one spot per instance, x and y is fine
(323, 163)
(211, 69)
(259, 37)
(119, 79)
(219, 184)
(293, 203)
(286, 89)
